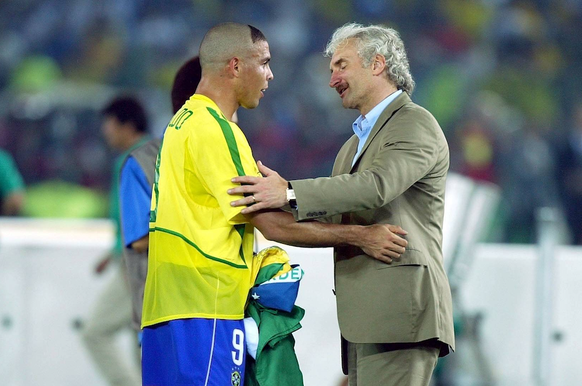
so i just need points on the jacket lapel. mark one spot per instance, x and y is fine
(396, 104)
(344, 160)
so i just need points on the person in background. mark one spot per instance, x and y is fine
(200, 247)
(135, 192)
(395, 319)
(11, 186)
(569, 170)
(125, 129)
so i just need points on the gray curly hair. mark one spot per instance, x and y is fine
(372, 40)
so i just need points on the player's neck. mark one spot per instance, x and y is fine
(222, 94)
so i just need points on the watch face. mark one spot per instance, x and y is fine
(290, 195)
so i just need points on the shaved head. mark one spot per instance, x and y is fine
(235, 66)
(225, 41)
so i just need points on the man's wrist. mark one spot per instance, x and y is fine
(357, 235)
(291, 199)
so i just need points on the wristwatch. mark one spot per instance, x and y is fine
(291, 199)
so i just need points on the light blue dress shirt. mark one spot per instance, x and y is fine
(363, 125)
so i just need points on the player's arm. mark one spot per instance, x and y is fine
(141, 245)
(266, 192)
(379, 241)
(134, 204)
(405, 157)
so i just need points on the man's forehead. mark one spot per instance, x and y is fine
(343, 52)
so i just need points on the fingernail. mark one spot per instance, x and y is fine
(229, 191)
(259, 162)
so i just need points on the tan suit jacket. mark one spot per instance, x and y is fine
(398, 178)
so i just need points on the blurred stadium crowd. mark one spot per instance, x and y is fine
(502, 77)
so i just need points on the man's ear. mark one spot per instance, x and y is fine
(234, 67)
(378, 64)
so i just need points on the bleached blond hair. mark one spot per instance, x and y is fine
(373, 40)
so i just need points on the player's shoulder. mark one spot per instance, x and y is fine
(205, 115)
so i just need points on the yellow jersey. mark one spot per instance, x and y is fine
(200, 248)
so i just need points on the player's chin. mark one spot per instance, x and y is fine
(251, 104)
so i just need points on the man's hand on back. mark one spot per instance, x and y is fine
(383, 241)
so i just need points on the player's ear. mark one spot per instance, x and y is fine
(234, 66)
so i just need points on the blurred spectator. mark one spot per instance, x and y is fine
(60, 199)
(35, 73)
(569, 160)
(481, 135)
(102, 54)
(527, 172)
(124, 127)
(477, 151)
(11, 186)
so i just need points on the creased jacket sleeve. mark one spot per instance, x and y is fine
(407, 154)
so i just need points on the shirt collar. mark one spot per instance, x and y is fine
(364, 123)
(208, 102)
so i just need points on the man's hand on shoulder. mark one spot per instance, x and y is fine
(267, 192)
(383, 241)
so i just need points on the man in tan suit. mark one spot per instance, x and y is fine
(395, 318)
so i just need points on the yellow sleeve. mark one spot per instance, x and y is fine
(221, 153)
